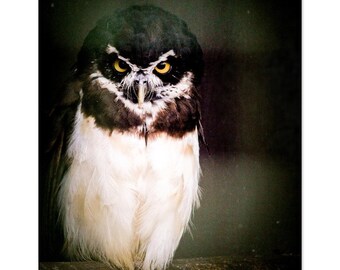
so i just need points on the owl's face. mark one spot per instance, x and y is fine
(163, 79)
(135, 66)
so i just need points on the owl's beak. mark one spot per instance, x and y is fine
(141, 93)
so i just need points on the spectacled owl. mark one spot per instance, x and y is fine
(124, 174)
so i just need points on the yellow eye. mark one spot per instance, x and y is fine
(163, 68)
(120, 66)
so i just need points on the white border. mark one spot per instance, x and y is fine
(19, 134)
(19, 139)
(321, 135)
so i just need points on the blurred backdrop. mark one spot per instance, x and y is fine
(251, 106)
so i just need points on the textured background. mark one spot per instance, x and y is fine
(251, 104)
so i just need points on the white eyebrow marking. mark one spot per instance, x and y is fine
(162, 58)
(110, 49)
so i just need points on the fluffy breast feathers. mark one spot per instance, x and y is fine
(124, 202)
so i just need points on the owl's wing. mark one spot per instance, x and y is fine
(54, 165)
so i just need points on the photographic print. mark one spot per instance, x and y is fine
(169, 134)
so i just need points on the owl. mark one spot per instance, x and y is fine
(124, 173)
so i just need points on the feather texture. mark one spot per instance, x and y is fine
(124, 202)
(124, 156)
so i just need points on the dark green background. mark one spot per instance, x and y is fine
(251, 104)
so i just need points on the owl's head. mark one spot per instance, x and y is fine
(144, 56)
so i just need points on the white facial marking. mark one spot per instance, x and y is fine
(162, 58)
(110, 49)
(167, 93)
(148, 110)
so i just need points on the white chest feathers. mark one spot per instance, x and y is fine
(126, 203)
